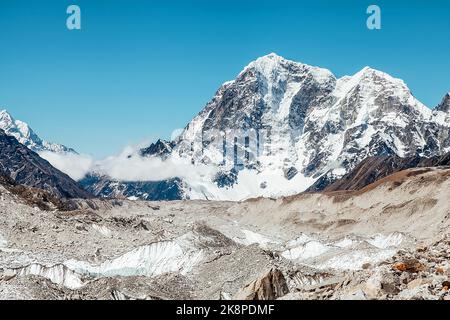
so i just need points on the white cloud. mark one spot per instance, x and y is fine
(128, 166)
(74, 165)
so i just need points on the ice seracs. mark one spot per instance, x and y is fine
(150, 260)
(58, 274)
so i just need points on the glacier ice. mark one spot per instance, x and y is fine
(3, 242)
(58, 274)
(150, 261)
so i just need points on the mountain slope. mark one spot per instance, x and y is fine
(373, 169)
(26, 136)
(25, 167)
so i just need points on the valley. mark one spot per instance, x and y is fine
(389, 240)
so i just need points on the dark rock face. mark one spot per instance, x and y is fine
(290, 173)
(166, 190)
(25, 167)
(376, 168)
(226, 179)
(160, 148)
(444, 106)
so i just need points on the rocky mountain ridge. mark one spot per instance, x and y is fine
(25, 167)
(26, 136)
(373, 169)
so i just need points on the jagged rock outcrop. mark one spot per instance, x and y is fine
(444, 106)
(160, 148)
(270, 286)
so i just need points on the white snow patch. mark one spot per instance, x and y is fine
(252, 238)
(300, 240)
(354, 260)
(345, 243)
(3, 242)
(383, 242)
(308, 250)
(249, 186)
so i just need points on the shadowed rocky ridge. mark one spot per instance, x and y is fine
(25, 167)
(375, 168)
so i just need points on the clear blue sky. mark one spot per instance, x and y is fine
(139, 69)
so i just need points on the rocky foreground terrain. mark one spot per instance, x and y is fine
(388, 240)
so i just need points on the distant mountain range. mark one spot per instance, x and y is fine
(280, 128)
(26, 136)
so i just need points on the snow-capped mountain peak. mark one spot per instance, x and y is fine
(313, 124)
(5, 119)
(26, 136)
(274, 67)
(282, 126)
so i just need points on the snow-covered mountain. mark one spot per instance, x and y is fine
(280, 126)
(26, 136)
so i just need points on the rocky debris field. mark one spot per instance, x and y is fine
(410, 274)
(390, 240)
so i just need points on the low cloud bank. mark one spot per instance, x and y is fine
(128, 166)
(74, 165)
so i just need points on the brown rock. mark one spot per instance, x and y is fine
(399, 266)
(421, 248)
(440, 270)
(270, 286)
(409, 265)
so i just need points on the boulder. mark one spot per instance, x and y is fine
(417, 283)
(270, 286)
(409, 265)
